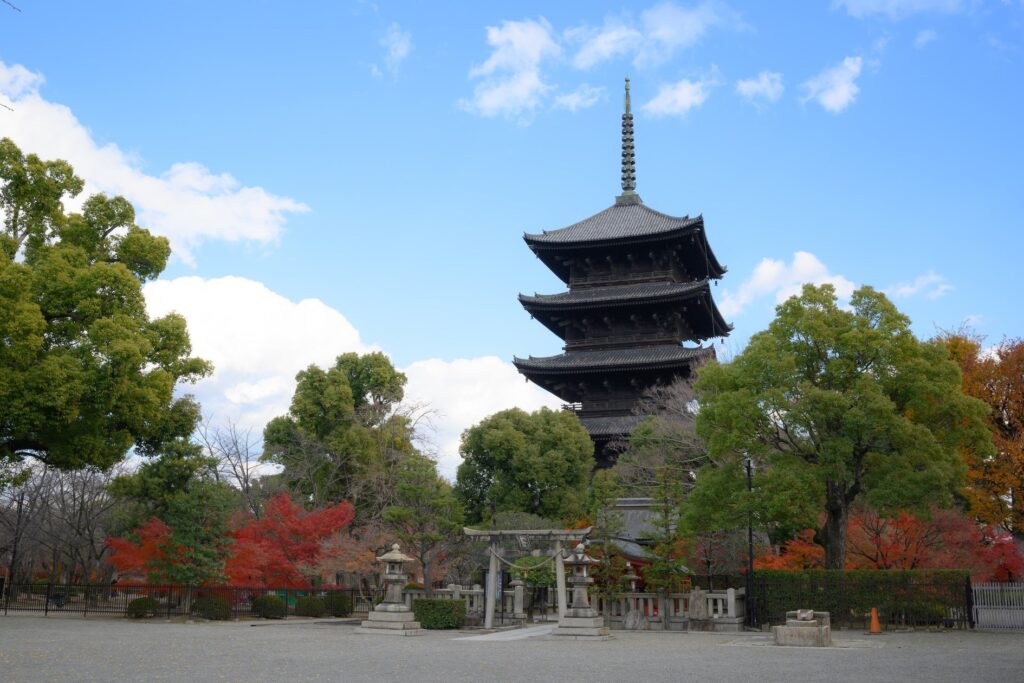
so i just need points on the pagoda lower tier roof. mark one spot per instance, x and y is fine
(617, 222)
(616, 425)
(609, 360)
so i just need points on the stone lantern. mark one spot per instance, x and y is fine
(630, 577)
(581, 621)
(392, 616)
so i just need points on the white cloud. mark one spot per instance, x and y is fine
(580, 98)
(931, 285)
(512, 84)
(898, 9)
(835, 88)
(676, 99)
(669, 27)
(465, 391)
(397, 45)
(775, 278)
(599, 45)
(924, 37)
(258, 340)
(766, 87)
(661, 31)
(188, 203)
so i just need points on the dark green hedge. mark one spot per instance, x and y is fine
(268, 607)
(142, 607)
(903, 598)
(338, 604)
(440, 613)
(212, 607)
(310, 606)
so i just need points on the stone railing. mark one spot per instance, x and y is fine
(473, 597)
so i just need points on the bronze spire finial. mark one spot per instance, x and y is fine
(629, 195)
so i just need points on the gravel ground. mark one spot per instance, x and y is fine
(34, 648)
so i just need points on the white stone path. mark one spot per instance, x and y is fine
(514, 634)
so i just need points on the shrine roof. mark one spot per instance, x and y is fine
(619, 221)
(662, 355)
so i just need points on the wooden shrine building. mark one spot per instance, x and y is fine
(639, 290)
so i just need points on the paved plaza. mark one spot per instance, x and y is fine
(35, 648)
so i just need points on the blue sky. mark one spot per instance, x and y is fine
(357, 175)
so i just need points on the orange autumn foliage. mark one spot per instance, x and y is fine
(995, 485)
(281, 547)
(152, 550)
(795, 554)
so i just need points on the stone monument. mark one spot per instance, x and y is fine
(805, 628)
(581, 621)
(392, 617)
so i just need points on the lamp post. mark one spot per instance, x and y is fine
(749, 598)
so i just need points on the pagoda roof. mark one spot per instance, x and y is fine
(604, 360)
(615, 425)
(621, 221)
(615, 295)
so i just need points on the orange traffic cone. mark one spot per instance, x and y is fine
(876, 629)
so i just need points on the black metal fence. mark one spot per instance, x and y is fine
(171, 601)
(903, 599)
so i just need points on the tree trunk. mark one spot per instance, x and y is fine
(837, 519)
(428, 584)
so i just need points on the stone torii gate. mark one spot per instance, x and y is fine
(554, 536)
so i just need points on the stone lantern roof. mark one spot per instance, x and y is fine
(394, 555)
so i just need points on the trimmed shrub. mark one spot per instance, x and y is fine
(142, 607)
(310, 606)
(268, 607)
(338, 603)
(439, 613)
(212, 607)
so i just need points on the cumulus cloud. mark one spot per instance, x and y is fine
(777, 279)
(662, 30)
(580, 98)
(924, 37)
(256, 339)
(835, 88)
(898, 9)
(397, 45)
(676, 99)
(188, 203)
(465, 391)
(255, 362)
(511, 84)
(766, 87)
(931, 285)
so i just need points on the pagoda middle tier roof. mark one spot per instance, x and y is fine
(617, 222)
(616, 295)
(605, 360)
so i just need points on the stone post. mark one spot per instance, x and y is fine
(518, 594)
(492, 579)
(560, 579)
(392, 617)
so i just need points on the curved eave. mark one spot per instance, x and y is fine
(706, 325)
(549, 366)
(554, 254)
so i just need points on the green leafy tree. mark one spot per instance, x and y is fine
(426, 516)
(666, 571)
(345, 434)
(841, 404)
(85, 374)
(608, 527)
(531, 462)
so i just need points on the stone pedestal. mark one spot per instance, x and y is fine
(581, 621)
(392, 617)
(805, 628)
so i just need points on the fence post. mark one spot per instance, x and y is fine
(168, 603)
(85, 599)
(970, 602)
(46, 605)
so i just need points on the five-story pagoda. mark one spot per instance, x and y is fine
(638, 290)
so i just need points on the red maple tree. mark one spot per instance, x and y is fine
(152, 549)
(279, 548)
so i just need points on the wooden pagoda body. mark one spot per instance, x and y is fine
(638, 292)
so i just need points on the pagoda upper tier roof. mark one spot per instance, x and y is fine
(636, 358)
(620, 225)
(617, 222)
